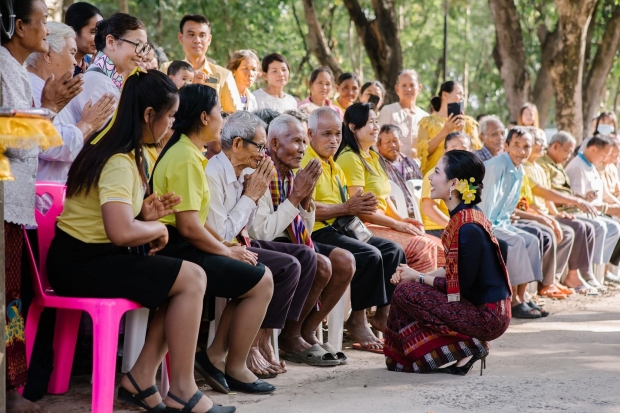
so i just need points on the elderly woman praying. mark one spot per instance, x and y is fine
(57, 62)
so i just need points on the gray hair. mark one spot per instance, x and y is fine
(57, 40)
(279, 126)
(313, 119)
(562, 137)
(483, 126)
(240, 124)
(411, 72)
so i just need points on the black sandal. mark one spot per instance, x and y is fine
(534, 306)
(524, 311)
(138, 399)
(189, 405)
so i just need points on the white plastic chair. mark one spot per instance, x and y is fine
(415, 187)
(136, 322)
(398, 197)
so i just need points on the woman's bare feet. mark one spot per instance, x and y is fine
(15, 403)
(257, 363)
(268, 353)
(205, 404)
(357, 325)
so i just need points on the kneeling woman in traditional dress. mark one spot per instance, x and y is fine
(451, 313)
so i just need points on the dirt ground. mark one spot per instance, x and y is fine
(567, 362)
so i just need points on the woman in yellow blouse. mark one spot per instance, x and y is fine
(105, 214)
(363, 171)
(433, 129)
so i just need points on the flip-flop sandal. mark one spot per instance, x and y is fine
(586, 290)
(551, 292)
(314, 356)
(535, 306)
(358, 346)
(566, 290)
(342, 358)
(524, 311)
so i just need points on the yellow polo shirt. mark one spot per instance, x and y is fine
(429, 224)
(222, 81)
(326, 190)
(374, 180)
(120, 181)
(182, 171)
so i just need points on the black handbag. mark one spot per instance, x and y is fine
(349, 225)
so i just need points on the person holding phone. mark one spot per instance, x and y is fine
(372, 92)
(448, 117)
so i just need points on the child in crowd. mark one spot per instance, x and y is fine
(181, 73)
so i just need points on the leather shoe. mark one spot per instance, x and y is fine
(258, 387)
(212, 375)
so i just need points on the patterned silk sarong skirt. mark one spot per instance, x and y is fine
(425, 331)
(424, 253)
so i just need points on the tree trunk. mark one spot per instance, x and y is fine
(65, 6)
(381, 41)
(318, 43)
(567, 64)
(509, 54)
(123, 6)
(543, 89)
(594, 78)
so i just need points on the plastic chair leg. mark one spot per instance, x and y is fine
(335, 321)
(164, 386)
(65, 339)
(105, 343)
(32, 325)
(274, 343)
(135, 333)
(319, 332)
(220, 304)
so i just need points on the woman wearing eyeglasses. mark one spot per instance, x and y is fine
(121, 44)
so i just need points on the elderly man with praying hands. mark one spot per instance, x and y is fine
(233, 206)
(279, 218)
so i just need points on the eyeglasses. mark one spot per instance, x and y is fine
(142, 49)
(260, 146)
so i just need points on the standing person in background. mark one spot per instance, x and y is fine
(528, 115)
(493, 137)
(83, 18)
(373, 88)
(276, 72)
(605, 124)
(321, 83)
(348, 90)
(434, 128)
(150, 60)
(398, 166)
(435, 213)
(244, 66)
(195, 38)
(404, 113)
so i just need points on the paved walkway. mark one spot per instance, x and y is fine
(568, 362)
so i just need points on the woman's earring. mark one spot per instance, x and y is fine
(450, 198)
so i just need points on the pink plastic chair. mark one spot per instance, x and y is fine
(106, 315)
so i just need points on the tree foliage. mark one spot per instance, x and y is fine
(280, 26)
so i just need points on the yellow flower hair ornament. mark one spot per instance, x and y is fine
(467, 189)
(100, 135)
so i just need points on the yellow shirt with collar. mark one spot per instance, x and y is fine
(220, 79)
(429, 224)
(119, 181)
(374, 180)
(326, 191)
(182, 170)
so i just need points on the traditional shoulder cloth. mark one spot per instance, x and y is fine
(450, 240)
(297, 231)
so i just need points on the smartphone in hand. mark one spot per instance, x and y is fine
(374, 99)
(455, 108)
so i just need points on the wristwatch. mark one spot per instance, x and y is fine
(421, 278)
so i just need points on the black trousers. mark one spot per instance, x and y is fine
(376, 261)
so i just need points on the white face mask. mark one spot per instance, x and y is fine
(605, 129)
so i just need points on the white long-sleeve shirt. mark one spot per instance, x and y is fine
(54, 163)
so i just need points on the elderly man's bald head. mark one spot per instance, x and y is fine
(321, 113)
(287, 142)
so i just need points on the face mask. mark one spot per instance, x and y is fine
(605, 129)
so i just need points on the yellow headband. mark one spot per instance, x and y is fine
(136, 72)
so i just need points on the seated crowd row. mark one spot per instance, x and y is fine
(254, 197)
